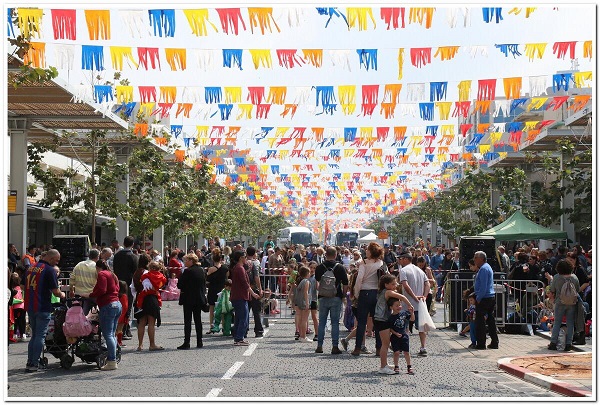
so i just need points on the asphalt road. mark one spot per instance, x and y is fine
(275, 366)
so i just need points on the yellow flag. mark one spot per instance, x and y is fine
(117, 53)
(233, 95)
(198, 20)
(261, 57)
(124, 94)
(464, 90)
(533, 51)
(581, 77)
(443, 109)
(357, 17)
(30, 21)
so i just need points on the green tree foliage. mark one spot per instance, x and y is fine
(573, 177)
(185, 198)
(403, 226)
(149, 176)
(82, 192)
(465, 208)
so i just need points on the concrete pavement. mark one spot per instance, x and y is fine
(522, 346)
(272, 367)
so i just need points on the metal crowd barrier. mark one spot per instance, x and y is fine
(276, 295)
(517, 302)
(63, 284)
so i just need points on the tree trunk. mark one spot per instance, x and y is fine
(93, 177)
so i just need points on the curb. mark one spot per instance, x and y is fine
(540, 379)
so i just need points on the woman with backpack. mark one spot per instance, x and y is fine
(564, 286)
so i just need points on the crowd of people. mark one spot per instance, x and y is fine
(376, 291)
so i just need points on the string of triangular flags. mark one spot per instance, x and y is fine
(261, 20)
(93, 57)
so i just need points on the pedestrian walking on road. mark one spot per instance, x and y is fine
(563, 307)
(332, 287)
(415, 287)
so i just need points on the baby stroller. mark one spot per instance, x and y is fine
(90, 349)
(56, 341)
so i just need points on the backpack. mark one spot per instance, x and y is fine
(327, 286)
(568, 293)
(383, 270)
(76, 324)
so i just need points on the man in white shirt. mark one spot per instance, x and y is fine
(265, 259)
(504, 259)
(107, 255)
(415, 287)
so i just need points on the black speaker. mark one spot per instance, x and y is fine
(73, 249)
(468, 245)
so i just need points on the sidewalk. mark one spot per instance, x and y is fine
(524, 356)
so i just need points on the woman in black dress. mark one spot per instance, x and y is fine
(215, 276)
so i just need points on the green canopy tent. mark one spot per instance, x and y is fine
(518, 227)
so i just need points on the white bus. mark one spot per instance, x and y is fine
(349, 235)
(295, 235)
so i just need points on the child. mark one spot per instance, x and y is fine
(387, 290)
(11, 318)
(152, 280)
(171, 292)
(224, 309)
(353, 306)
(291, 285)
(302, 302)
(313, 299)
(18, 308)
(470, 311)
(270, 303)
(123, 317)
(53, 298)
(399, 338)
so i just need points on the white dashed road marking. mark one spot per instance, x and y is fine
(231, 372)
(264, 334)
(214, 392)
(250, 349)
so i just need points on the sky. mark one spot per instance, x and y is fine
(303, 27)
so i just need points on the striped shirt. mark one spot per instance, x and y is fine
(83, 277)
(40, 280)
